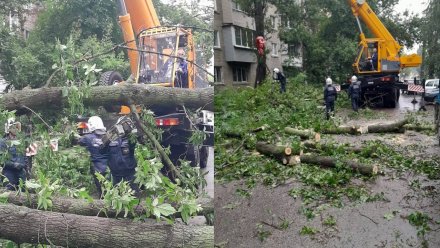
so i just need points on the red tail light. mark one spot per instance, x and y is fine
(385, 79)
(167, 122)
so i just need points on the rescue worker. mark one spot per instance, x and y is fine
(279, 76)
(374, 60)
(181, 79)
(121, 160)
(93, 142)
(354, 91)
(16, 164)
(330, 96)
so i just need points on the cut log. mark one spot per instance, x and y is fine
(25, 225)
(394, 127)
(342, 130)
(329, 162)
(155, 98)
(303, 134)
(281, 153)
(259, 129)
(83, 207)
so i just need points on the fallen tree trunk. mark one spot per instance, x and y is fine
(25, 225)
(342, 130)
(155, 98)
(303, 134)
(83, 207)
(310, 145)
(419, 127)
(329, 162)
(394, 127)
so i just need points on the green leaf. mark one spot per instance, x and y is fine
(388, 216)
(166, 209)
(4, 197)
(32, 185)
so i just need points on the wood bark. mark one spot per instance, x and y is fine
(342, 130)
(329, 162)
(394, 127)
(155, 98)
(419, 127)
(388, 127)
(310, 145)
(25, 225)
(303, 134)
(83, 207)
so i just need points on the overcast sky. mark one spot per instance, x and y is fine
(416, 6)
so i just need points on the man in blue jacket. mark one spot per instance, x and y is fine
(16, 163)
(354, 91)
(330, 96)
(93, 142)
(121, 160)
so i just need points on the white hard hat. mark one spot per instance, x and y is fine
(276, 70)
(328, 81)
(354, 79)
(11, 125)
(95, 123)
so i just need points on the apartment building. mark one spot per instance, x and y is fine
(235, 59)
(23, 22)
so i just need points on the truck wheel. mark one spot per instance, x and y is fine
(110, 78)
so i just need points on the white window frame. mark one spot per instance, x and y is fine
(217, 70)
(275, 52)
(236, 6)
(217, 39)
(244, 37)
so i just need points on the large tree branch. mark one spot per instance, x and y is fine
(83, 207)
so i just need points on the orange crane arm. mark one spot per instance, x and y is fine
(143, 14)
(360, 8)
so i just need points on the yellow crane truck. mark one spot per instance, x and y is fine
(379, 62)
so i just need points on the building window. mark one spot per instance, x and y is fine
(236, 6)
(285, 21)
(239, 74)
(217, 74)
(294, 50)
(273, 22)
(244, 37)
(216, 39)
(274, 49)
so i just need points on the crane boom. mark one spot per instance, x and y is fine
(143, 14)
(360, 8)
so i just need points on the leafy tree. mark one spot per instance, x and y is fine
(430, 38)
